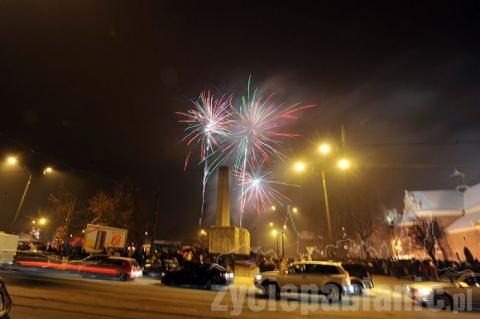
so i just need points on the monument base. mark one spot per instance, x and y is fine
(228, 240)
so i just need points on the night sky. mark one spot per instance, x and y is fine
(92, 87)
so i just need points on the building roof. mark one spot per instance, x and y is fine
(444, 203)
(433, 200)
(464, 223)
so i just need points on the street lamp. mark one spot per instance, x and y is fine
(47, 170)
(324, 148)
(294, 210)
(42, 221)
(299, 166)
(203, 234)
(274, 208)
(12, 161)
(343, 164)
(271, 224)
(275, 235)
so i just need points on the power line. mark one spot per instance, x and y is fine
(421, 143)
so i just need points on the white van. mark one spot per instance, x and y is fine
(8, 247)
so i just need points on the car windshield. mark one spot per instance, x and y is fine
(355, 270)
(470, 281)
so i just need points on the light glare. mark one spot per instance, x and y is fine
(11, 160)
(344, 163)
(299, 166)
(324, 148)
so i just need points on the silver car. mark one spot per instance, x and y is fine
(461, 295)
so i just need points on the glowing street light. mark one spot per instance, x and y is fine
(324, 148)
(12, 160)
(203, 234)
(274, 208)
(299, 166)
(343, 164)
(274, 233)
(295, 210)
(42, 221)
(271, 224)
(47, 170)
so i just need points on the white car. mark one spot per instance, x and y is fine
(322, 277)
(463, 294)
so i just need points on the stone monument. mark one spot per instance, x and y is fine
(223, 238)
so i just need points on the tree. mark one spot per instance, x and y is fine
(427, 234)
(63, 205)
(361, 212)
(422, 232)
(116, 209)
(102, 205)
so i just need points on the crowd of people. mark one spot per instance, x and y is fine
(415, 269)
(167, 259)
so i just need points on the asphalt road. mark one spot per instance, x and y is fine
(46, 295)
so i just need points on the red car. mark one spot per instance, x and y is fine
(118, 267)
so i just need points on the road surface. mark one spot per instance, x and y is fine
(46, 295)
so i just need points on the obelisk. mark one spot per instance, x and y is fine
(223, 198)
(224, 238)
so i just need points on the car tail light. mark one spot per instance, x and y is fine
(127, 265)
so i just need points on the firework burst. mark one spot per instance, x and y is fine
(257, 132)
(250, 134)
(259, 129)
(259, 190)
(208, 123)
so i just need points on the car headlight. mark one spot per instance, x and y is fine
(348, 282)
(424, 292)
(258, 277)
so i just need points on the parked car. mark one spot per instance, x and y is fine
(200, 275)
(327, 278)
(90, 260)
(359, 277)
(5, 301)
(155, 268)
(117, 267)
(462, 294)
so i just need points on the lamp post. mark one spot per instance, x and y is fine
(284, 227)
(288, 213)
(203, 234)
(343, 164)
(327, 208)
(275, 235)
(12, 161)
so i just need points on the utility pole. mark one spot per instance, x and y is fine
(24, 194)
(327, 208)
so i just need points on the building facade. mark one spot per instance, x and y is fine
(457, 213)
